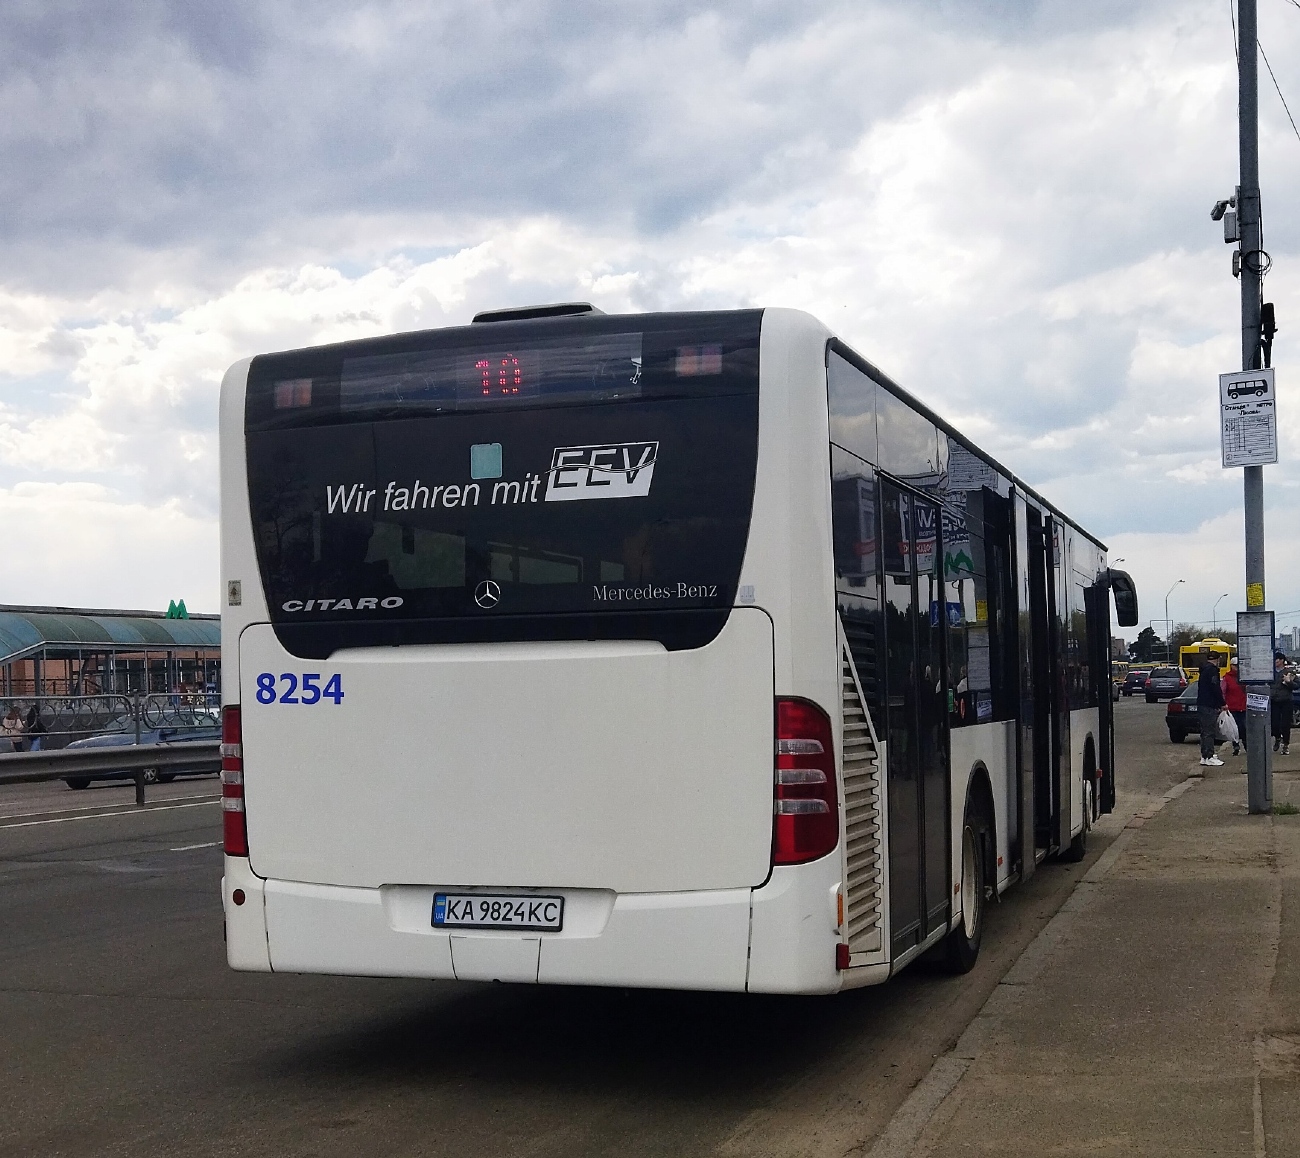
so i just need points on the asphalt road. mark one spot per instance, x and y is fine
(122, 1032)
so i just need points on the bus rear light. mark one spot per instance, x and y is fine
(806, 823)
(801, 746)
(799, 807)
(234, 826)
(800, 776)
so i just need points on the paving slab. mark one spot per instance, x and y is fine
(1163, 1014)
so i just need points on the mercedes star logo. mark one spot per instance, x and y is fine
(487, 594)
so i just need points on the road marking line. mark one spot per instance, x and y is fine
(101, 815)
(188, 847)
(90, 807)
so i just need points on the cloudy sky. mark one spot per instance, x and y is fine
(1004, 203)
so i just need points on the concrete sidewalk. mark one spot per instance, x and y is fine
(1159, 1012)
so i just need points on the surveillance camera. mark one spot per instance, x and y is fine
(1221, 207)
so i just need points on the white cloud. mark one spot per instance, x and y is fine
(1211, 561)
(1006, 212)
(80, 544)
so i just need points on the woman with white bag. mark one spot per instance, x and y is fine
(1234, 701)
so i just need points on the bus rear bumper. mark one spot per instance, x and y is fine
(243, 899)
(696, 940)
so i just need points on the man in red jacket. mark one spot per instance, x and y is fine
(1234, 699)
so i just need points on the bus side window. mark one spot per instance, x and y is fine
(971, 611)
(851, 397)
(854, 537)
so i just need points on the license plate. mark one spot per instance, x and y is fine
(497, 911)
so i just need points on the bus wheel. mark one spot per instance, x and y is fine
(962, 946)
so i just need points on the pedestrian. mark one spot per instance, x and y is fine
(1234, 699)
(34, 729)
(1281, 700)
(11, 727)
(1209, 703)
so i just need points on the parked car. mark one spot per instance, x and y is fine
(1136, 680)
(1164, 683)
(1181, 717)
(194, 727)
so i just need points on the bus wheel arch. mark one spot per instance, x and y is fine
(977, 872)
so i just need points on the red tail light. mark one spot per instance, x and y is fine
(1175, 706)
(234, 829)
(806, 824)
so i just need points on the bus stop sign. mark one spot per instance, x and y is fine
(1248, 418)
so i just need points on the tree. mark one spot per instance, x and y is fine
(1182, 635)
(1147, 643)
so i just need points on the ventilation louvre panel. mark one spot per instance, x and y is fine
(862, 801)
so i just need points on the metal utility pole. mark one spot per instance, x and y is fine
(1259, 771)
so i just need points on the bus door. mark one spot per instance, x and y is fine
(1035, 767)
(1049, 708)
(1042, 614)
(916, 717)
(1058, 601)
(1097, 612)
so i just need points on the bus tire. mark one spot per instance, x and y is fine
(961, 948)
(78, 782)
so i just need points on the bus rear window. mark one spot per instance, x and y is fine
(602, 490)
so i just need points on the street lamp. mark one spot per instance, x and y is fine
(1214, 614)
(1168, 624)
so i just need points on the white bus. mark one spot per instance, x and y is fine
(678, 650)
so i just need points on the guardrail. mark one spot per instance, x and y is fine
(62, 719)
(36, 767)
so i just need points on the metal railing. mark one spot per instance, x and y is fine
(59, 720)
(137, 759)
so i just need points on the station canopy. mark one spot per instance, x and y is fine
(27, 631)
